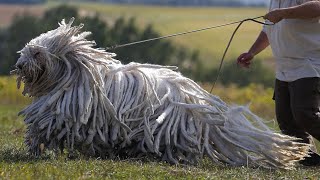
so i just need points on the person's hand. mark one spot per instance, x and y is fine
(244, 60)
(275, 16)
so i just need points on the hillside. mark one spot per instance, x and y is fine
(169, 20)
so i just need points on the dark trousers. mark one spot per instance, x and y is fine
(297, 107)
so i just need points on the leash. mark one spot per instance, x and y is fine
(194, 31)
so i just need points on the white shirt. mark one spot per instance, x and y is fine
(295, 44)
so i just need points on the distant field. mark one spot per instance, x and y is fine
(168, 20)
(8, 12)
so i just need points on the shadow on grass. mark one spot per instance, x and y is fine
(20, 155)
(13, 155)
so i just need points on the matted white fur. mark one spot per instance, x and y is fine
(85, 100)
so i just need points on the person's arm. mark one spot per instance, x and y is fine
(259, 45)
(306, 10)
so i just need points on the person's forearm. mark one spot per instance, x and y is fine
(307, 10)
(260, 44)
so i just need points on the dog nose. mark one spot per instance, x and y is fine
(19, 65)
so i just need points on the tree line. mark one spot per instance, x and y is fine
(25, 27)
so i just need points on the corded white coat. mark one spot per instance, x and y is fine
(86, 101)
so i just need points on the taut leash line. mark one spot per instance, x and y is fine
(179, 34)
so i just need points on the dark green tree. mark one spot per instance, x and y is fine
(53, 16)
(21, 31)
(233, 74)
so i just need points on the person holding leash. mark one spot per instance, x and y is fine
(295, 44)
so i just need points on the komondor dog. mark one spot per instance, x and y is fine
(86, 101)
